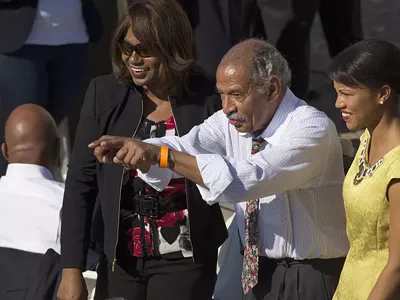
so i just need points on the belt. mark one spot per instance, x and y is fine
(288, 262)
(154, 206)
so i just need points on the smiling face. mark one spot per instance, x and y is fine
(143, 67)
(360, 106)
(247, 108)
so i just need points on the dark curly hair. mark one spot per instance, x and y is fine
(163, 29)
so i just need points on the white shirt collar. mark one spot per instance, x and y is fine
(28, 171)
(287, 105)
(289, 102)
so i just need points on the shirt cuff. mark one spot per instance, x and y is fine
(216, 177)
(156, 177)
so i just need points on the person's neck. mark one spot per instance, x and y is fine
(158, 96)
(32, 159)
(272, 111)
(386, 131)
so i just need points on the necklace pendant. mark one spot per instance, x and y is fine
(364, 170)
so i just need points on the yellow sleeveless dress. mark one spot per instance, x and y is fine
(367, 214)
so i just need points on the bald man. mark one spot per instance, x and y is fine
(30, 201)
(31, 137)
(276, 158)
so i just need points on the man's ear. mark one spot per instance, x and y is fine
(275, 86)
(4, 150)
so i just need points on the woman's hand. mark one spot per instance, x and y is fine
(72, 286)
(130, 153)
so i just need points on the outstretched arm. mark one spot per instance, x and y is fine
(296, 162)
(144, 156)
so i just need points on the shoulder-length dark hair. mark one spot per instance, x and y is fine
(163, 28)
(369, 63)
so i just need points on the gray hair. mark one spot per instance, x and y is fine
(267, 61)
(264, 61)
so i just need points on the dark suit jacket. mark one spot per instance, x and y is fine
(17, 17)
(17, 268)
(44, 285)
(28, 276)
(217, 27)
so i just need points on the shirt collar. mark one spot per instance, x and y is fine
(288, 104)
(28, 171)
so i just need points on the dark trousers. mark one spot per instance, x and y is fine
(17, 269)
(341, 22)
(46, 75)
(287, 279)
(160, 279)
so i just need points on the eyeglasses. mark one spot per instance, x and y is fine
(127, 49)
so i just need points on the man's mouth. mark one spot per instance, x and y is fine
(235, 123)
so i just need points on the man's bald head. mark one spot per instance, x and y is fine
(31, 137)
(261, 60)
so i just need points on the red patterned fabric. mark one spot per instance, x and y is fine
(171, 232)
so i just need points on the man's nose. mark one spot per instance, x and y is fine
(228, 105)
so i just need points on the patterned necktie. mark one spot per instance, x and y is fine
(250, 260)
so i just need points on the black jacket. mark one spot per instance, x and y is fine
(44, 284)
(110, 108)
(17, 17)
(27, 275)
(17, 269)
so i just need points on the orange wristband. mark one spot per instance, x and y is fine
(164, 157)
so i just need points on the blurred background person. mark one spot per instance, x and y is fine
(156, 90)
(43, 54)
(216, 26)
(30, 200)
(367, 80)
(341, 24)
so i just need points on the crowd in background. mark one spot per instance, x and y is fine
(46, 53)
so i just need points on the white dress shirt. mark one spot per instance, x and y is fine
(30, 208)
(58, 22)
(298, 178)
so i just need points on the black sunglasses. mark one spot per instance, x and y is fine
(127, 49)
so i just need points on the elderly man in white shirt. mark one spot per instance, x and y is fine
(276, 158)
(30, 201)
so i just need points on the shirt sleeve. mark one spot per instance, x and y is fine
(205, 138)
(297, 161)
(394, 171)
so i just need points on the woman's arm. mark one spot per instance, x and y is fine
(388, 285)
(80, 189)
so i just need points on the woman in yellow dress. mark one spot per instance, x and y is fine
(366, 77)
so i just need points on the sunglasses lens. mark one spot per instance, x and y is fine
(125, 49)
(128, 49)
(142, 52)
